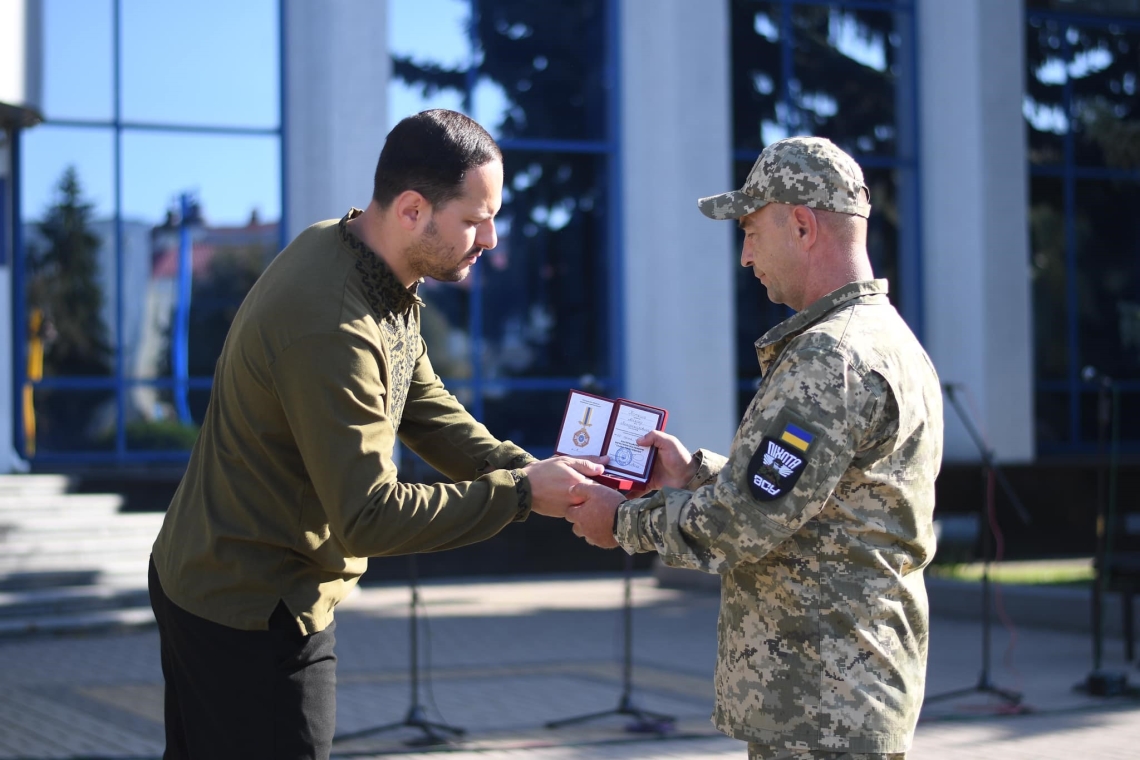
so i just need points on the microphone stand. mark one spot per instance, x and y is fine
(984, 685)
(644, 720)
(433, 733)
(1099, 682)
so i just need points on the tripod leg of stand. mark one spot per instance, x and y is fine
(433, 732)
(1101, 682)
(984, 685)
(644, 721)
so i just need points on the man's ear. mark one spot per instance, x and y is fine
(411, 209)
(805, 225)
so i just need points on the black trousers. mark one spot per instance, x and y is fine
(244, 694)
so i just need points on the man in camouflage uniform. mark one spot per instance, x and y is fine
(819, 521)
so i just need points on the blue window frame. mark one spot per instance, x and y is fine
(143, 112)
(538, 314)
(1083, 117)
(847, 71)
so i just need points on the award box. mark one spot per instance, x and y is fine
(594, 425)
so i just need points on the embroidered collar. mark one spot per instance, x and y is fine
(384, 292)
(870, 290)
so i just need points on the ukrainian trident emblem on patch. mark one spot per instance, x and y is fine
(778, 463)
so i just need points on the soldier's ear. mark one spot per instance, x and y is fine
(805, 225)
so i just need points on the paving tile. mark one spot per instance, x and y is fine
(502, 658)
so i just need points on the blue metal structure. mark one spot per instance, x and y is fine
(180, 342)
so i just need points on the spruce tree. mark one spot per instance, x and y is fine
(64, 285)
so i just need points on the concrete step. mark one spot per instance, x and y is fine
(120, 563)
(45, 553)
(121, 575)
(66, 526)
(34, 485)
(14, 508)
(70, 562)
(79, 622)
(68, 600)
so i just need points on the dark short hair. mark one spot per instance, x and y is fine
(431, 153)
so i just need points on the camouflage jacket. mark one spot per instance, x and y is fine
(819, 523)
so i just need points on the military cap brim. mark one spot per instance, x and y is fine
(731, 205)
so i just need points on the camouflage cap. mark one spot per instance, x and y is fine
(799, 171)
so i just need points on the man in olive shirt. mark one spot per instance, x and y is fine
(292, 485)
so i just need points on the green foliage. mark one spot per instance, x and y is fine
(161, 435)
(63, 285)
(63, 274)
(1032, 573)
(152, 435)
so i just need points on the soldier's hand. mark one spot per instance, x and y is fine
(551, 481)
(674, 466)
(593, 517)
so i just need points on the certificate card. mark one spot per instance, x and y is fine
(593, 425)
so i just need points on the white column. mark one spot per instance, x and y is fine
(679, 265)
(336, 96)
(20, 67)
(10, 461)
(975, 205)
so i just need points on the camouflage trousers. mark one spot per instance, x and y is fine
(764, 752)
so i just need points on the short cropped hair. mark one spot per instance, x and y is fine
(431, 153)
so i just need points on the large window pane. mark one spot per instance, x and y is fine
(219, 238)
(49, 150)
(209, 62)
(162, 430)
(445, 322)
(845, 77)
(234, 177)
(883, 228)
(77, 58)
(69, 253)
(1045, 77)
(1052, 418)
(534, 70)
(431, 53)
(1108, 277)
(527, 418)
(1111, 7)
(759, 116)
(1050, 278)
(1103, 68)
(69, 420)
(542, 68)
(544, 287)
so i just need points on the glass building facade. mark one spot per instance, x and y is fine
(152, 197)
(149, 202)
(844, 71)
(532, 320)
(1083, 121)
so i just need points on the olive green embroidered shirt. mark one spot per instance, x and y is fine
(291, 484)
